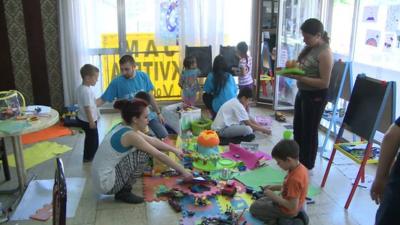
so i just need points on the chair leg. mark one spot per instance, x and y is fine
(4, 159)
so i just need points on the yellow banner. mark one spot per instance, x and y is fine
(161, 63)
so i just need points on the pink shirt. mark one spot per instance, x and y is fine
(246, 79)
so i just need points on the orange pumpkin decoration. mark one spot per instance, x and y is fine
(208, 138)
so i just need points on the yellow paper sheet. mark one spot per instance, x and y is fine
(39, 153)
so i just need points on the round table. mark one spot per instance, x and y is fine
(43, 122)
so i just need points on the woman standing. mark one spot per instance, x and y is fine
(317, 61)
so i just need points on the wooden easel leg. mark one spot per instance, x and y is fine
(360, 172)
(363, 175)
(328, 167)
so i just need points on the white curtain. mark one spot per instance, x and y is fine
(202, 24)
(73, 44)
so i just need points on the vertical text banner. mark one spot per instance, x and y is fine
(161, 63)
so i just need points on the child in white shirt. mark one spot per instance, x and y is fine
(88, 113)
(233, 123)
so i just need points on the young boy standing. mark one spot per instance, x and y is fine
(287, 205)
(88, 113)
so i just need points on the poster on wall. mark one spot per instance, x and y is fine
(372, 38)
(389, 41)
(167, 22)
(398, 38)
(370, 14)
(393, 18)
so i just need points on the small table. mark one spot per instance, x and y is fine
(15, 138)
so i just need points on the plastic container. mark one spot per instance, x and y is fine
(199, 125)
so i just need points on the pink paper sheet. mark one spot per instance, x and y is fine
(263, 155)
(238, 153)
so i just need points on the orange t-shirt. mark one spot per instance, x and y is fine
(295, 185)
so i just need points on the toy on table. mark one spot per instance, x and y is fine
(69, 117)
(292, 67)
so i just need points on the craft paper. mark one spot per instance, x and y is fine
(237, 153)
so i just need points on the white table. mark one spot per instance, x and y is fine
(43, 122)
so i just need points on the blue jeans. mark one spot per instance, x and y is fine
(158, 128)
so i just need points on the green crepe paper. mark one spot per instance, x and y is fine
(295, 71)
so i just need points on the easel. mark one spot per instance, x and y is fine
(203, 57)
(339, 87)
(363, 116)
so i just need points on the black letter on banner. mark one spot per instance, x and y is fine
(164, 71)
(151, 44)
(147, 65)
(168, 52)
(168, 93)
(176, 71)
(155, 71)
(134, 48)
(158, 92)
(115, 70)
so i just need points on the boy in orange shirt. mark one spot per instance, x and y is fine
(286, 207)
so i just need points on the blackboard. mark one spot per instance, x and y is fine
(203, 56)
(366, 106)
(340, 77)
(229, 53)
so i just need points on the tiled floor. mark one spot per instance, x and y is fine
(328, 208)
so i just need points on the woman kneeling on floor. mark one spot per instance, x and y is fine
(125, 151)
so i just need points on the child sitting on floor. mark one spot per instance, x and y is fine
(285, 208)
(233, 122)
(155, 124)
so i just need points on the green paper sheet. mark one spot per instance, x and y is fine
(261, 177)
(13, 126)
(268, 176)
(39, 153)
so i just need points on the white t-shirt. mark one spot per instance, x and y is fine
(231, 113)
(85, 97)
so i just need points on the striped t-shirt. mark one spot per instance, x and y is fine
(246, 63)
